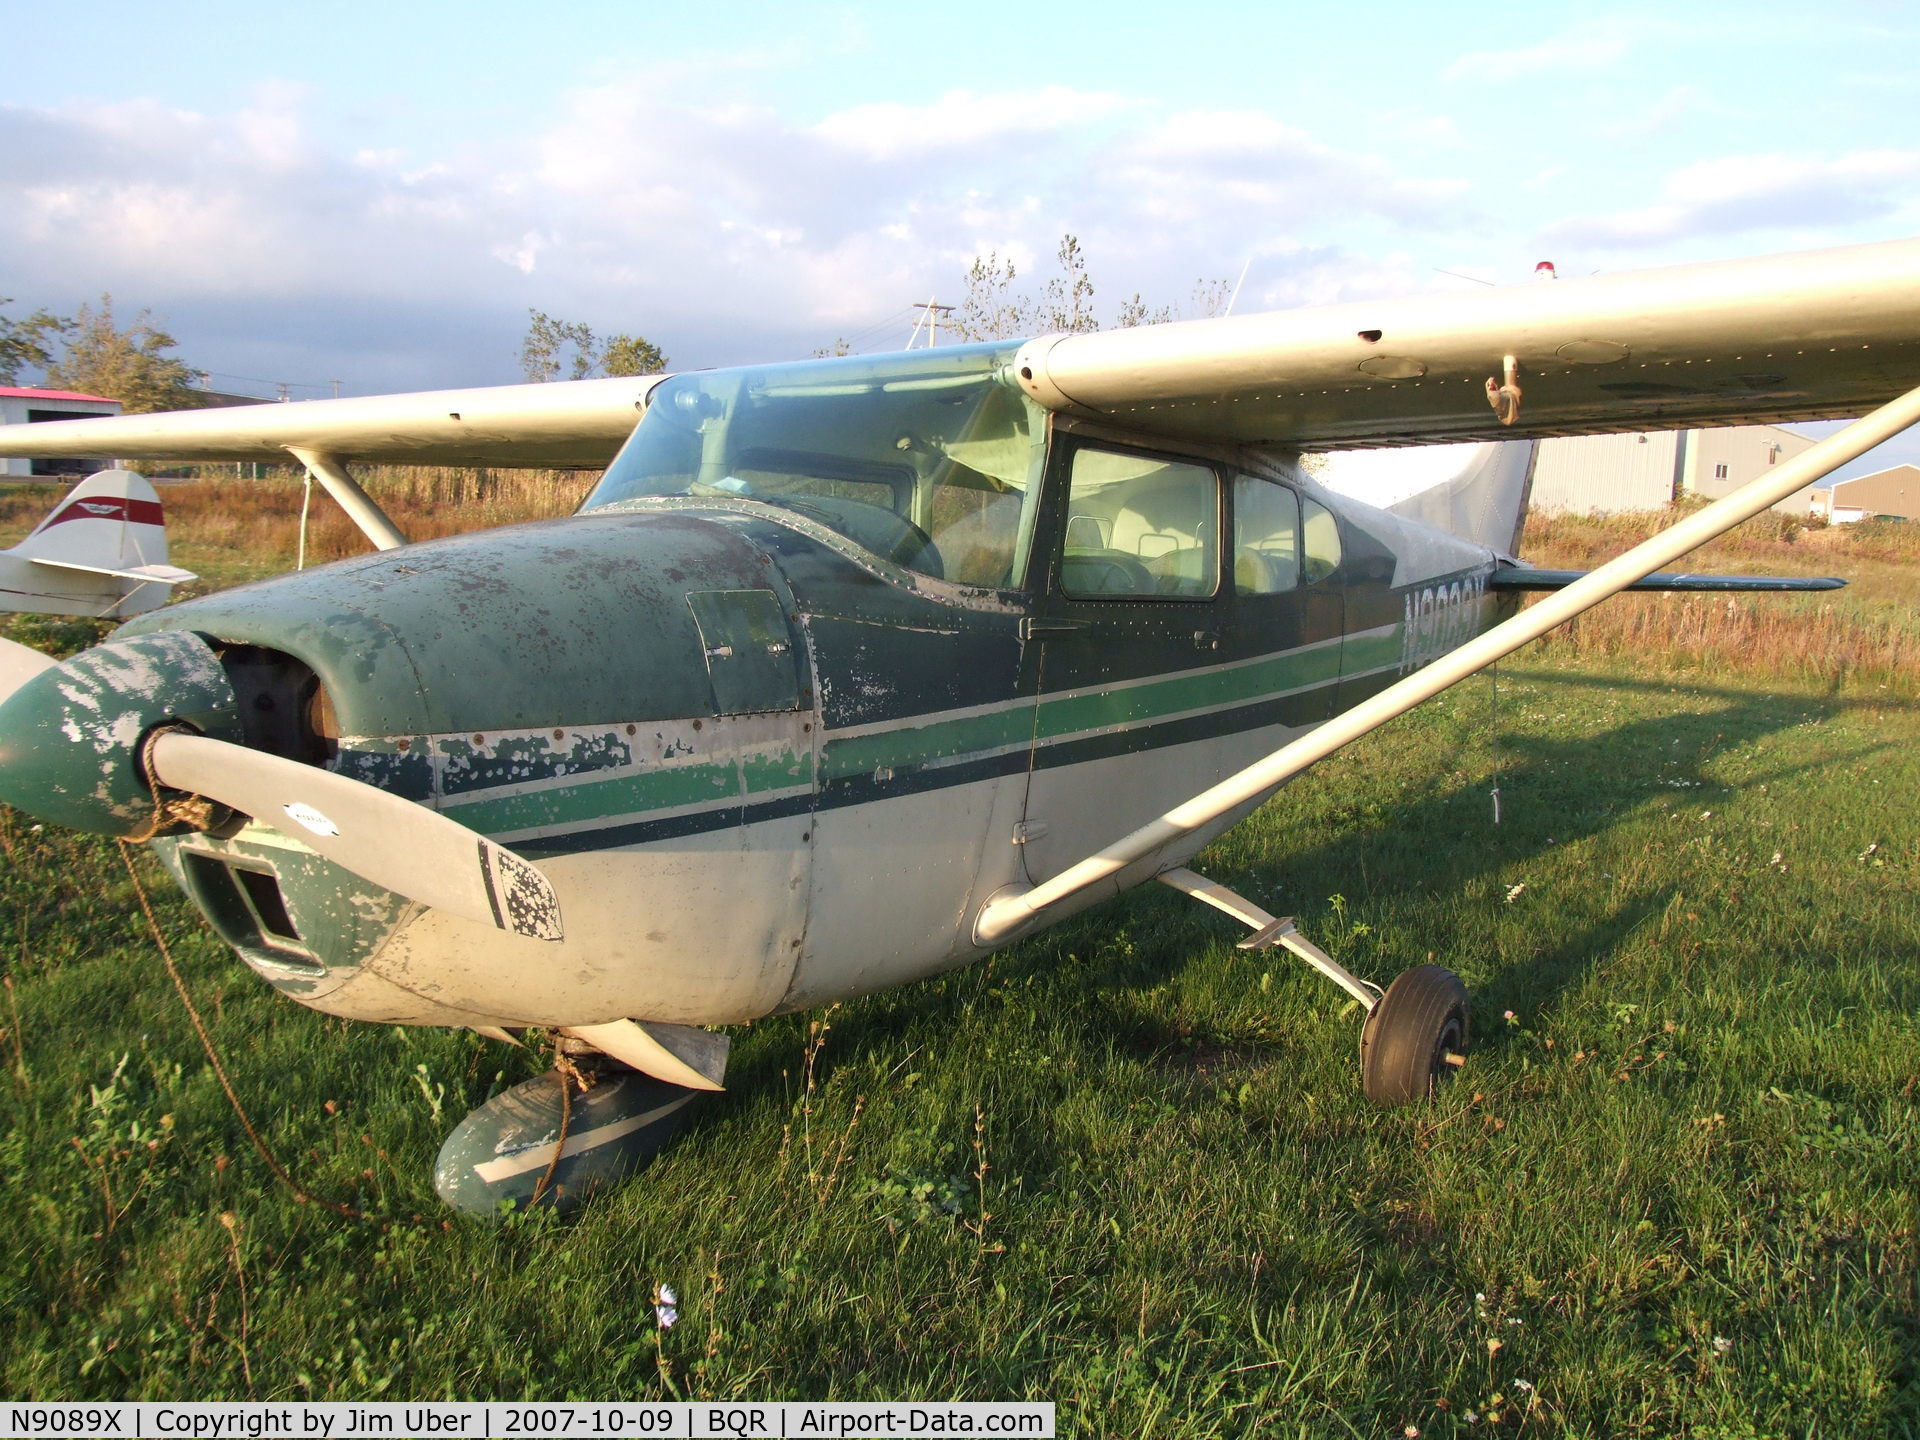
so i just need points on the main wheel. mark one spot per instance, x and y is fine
(1405, 1044)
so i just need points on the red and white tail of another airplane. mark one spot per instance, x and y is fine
(102, 551)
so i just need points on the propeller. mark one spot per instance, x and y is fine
(19, 664)
(398, 845)
(69, 733)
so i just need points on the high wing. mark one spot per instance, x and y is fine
(1816, 335)
(567, 424)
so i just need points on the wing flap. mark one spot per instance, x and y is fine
(1817, 335)
(570, 423)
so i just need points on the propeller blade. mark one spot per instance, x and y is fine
(398, 845)
(19, 664)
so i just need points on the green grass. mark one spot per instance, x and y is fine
(1124, 1166)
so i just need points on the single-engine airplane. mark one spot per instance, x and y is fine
(101, 551)
(851, 671)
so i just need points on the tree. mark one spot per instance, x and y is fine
(990, 309)
(129, 365)
(631, 355)
(24, 342)
(544, 351)
(1069, 303)
(993, 310)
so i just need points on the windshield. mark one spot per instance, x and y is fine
(927, 459)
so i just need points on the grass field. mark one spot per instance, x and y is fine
(1123, 1166)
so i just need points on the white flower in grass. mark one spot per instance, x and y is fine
(1514, 891)
(1471, 1417)
(1721, 1344)
(1525, 1387)
(666, 1306)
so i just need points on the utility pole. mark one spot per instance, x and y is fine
(336, 388)
(930, 317)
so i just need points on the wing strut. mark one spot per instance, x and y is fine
(1014, 908)
(361, 507)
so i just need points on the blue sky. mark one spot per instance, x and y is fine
(378, 194)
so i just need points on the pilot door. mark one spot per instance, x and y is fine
(1182, 633)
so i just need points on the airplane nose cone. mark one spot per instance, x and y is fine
(70, 735)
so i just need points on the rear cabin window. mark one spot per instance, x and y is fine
(1322, 540)
(1139, 527)
(1266, 537)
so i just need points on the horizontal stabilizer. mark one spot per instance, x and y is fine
(157, 574)
(1521, 577)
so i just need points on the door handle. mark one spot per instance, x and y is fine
(1033, 628)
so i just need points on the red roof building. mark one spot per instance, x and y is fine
(24, 405)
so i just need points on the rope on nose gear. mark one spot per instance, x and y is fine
(569, 1075)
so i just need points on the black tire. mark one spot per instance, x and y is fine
(1404, 1044)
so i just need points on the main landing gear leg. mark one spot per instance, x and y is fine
(1415, 1033)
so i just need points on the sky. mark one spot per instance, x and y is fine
(378, 195)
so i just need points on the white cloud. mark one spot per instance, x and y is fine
(1587, 47)
(962, 118)
(1737, 194)
(728, 231)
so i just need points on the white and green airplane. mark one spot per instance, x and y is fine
(851, 671)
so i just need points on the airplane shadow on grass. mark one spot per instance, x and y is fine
(1415, 857)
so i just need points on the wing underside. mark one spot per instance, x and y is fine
(568, 424)
(1818, 335)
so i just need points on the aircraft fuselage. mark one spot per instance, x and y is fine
(765, 768)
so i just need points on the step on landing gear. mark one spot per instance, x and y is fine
(1415, 1033)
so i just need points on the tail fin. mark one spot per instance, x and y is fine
(1478, 492)
(110, 525)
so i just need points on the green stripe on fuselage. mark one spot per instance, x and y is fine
(1374, 650)
(1183, 694)
(928, 742)
(602, 796)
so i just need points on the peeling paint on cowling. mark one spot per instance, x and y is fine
(401, 765)
(573, 622)
(71, 735)
(517, 757)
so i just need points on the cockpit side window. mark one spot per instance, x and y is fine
(1140, 527)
